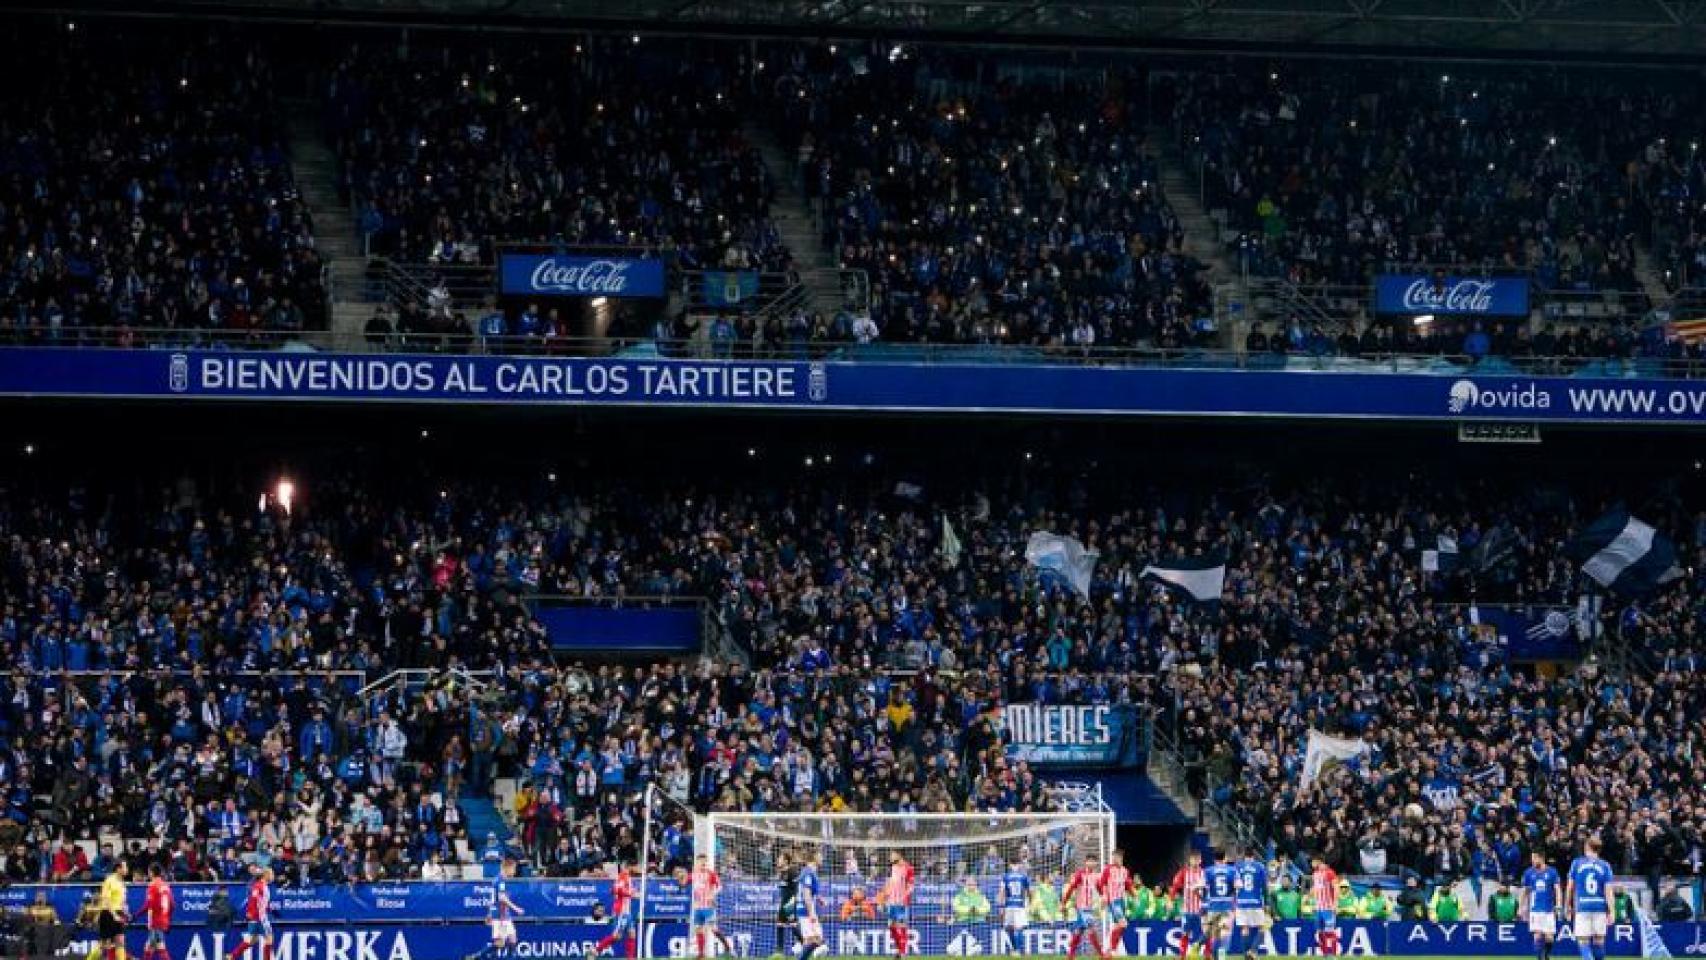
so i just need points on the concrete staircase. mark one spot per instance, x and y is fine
(1181, 183)
(1168, 776)
(317, 174)
(792, 215)
(1650, 273)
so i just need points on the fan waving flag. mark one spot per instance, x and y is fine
(1624, 555)
(1325, 752)
(1202, 577)
(1064, 556)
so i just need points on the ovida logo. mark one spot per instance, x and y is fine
(595, 277)
(1464, 296)
(1465, 396)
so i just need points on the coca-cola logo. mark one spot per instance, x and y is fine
(593, 277)
(1461, 296)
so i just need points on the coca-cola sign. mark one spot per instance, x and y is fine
(1451, 296)
(549, 275)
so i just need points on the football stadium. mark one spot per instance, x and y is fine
(857, 479)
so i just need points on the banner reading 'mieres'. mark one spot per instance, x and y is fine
(1064, 735)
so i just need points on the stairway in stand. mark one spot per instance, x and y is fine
(791, 212)
(317, 174)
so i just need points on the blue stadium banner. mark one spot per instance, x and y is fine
(728, 288)
(1069, 735)
(858, 386)
(660, 629)
(1416, 294)
(555, 275)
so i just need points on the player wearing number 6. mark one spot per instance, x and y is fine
(1083, 892)
(1588, 900)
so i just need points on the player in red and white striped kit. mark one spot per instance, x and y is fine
(1083, 892)
(706, 885)
(1115, 885)
(1187, 889)
(1324, 890)
(897, 900)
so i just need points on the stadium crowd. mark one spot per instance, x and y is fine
(1019, 212)
(1332, 174)
(145, 185)
(1017, 207)
(219, 650)
(606, 142)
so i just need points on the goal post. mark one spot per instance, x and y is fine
(959, 862)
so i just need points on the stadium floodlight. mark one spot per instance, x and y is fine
(759, 858)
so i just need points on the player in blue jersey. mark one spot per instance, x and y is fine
(1249, 904)
(1220, 889)
(500, 915)
(1540, 889)
(805, 907)
(1015, 894)
(1588, 898)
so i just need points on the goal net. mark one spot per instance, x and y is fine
(959, 864)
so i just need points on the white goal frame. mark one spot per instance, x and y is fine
(1083, 809)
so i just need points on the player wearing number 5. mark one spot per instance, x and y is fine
(1588, 899)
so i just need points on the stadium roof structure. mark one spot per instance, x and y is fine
(1620, 30)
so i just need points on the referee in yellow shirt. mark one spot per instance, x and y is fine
(113, 913)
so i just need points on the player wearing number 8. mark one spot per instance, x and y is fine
(1588, 900)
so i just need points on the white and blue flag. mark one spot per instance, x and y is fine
(1064, 556)
(1625, 555)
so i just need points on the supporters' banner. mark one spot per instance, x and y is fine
(1529, 633)
(554, 275)
(1066, 735)
(728, 288)
(379, 902)
(1451, 296)
(997, 389)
